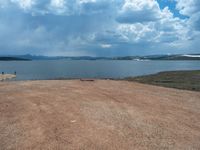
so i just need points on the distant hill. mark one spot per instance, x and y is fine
(161, 57)
(33, 57)
(13, 59)
(136, 58)
(175, 57)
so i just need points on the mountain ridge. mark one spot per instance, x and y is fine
(29, 57)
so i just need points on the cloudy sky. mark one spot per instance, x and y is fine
(99, 27)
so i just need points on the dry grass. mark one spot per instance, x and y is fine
(186, 80)
(99, 115)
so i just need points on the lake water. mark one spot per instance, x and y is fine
(31, 70)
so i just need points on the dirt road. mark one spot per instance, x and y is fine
(99, 115)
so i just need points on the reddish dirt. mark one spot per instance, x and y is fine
(99, 115)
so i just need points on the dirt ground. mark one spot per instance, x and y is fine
(99, 115)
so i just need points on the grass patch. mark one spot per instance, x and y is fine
(186, 80)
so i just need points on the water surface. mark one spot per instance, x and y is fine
(32, 70)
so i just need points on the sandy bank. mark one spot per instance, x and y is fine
(101, 115)
(6, 76)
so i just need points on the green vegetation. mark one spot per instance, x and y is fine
(13, 59)
(186, 80)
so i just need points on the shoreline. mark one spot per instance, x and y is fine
(7, 76)
(182, 79)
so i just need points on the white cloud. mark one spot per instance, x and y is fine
(86, 1)
(24, 4)
(158, 26)
(57, 6)
(106, 45)
(195, 21)
(57, 3)
(97, 26)
(134, 11)
(190, 8)
(140, 4)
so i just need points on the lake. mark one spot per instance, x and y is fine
(51, 69)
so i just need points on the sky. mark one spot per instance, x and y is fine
(99, 27)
